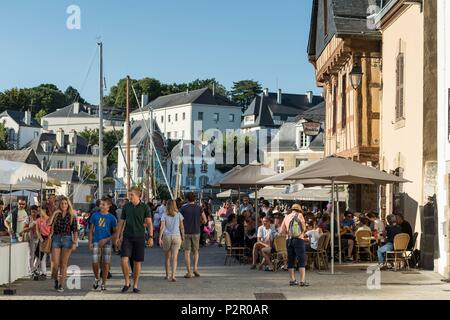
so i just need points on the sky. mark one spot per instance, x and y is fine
(170, 40)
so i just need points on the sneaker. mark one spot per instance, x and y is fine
(293, 283)
(103, 287)
(304, 284)
(60, 289)
(95, 284)
(56, 285)
(349, 259)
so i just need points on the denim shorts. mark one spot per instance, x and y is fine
(62, 242)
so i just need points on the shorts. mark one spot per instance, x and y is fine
(133, 248)
(62, 242)
(171, 243)
(296, 250)
(191, 242)
(104, 253)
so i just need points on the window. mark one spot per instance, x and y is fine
(71, 164)
(59, 164)
(344, 102)
(249, 119)
(182, 134)
(36, 134)
(231, 118)
(175, 168)
(175, 134)
(190, 181)
(400, 87)
(168, 135)
(280, 166)
(335, 89)
(176, 116)
(325, 17)
(200, 116)
(300, 162)
(73, 149)
(204, 167)
(303, 140)
(169, 118)
(203, 181)
(162, 119)
(95, 150)
(191, 170)
(216, 117)
(184, 115)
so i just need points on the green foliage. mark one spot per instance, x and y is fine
(243, 92)
(4, 144)
(110, 140)
(73, 95)
(88, 174)
(41, 113)
(162, 192)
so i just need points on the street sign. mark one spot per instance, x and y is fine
(311, 128)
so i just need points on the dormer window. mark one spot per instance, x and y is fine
(46, 146)
(95, 150)
(249, 119)
(71, 149)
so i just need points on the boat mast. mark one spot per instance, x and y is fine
(100, 131)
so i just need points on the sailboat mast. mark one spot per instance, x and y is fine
(128, 137)
(100, 131)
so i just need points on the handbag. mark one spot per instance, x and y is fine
(46, 246)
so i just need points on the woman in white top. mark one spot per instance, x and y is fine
(171, 237)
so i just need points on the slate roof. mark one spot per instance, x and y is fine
(266, 108)
(346, 18)
(286, 139)
(25, 155)
(139, 133)
(19, 117)
(201, 96)
(85, 111)
(81, 149)
(64, 175)
(316, 113)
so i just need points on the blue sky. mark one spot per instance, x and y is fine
(171, 40)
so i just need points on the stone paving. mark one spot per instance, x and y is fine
(238, 282)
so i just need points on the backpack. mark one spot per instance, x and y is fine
(295, 227)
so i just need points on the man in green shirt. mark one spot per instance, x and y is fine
(135, 217)
(15, 222)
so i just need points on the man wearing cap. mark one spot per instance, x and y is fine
(295, 245)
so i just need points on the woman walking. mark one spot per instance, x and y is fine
(43, 231)
(64, 240)
(171, 236)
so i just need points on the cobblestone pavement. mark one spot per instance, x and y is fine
(238, 282)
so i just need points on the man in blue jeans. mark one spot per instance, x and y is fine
(391, 231)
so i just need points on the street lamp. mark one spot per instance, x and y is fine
(356, 76)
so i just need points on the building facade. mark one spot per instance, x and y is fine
(341, 42)
(21, 127)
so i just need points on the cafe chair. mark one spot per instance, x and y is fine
(232, 252)
(399, 255)
(364, 244)
(279, 257)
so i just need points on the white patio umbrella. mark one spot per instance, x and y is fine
(17, 174)
(334, 169)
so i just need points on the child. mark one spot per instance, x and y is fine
(103, 228)
(43, 230)
(210, 229)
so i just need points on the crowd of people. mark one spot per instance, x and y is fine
(53, 231)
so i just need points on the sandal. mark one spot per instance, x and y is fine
(304, 284)
(126, 288)
(173, 280)
(188, 275)
(196, 274)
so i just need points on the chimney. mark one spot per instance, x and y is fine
(214, 88)
(144, 100)
(280, 96)
(266, 92)
(60, 138)
(76, 107)
(27, 118)
(310, 96)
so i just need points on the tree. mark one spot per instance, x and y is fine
(110, 141)
(72, 95)
(4, 144)
(243, 92)
(42, 113)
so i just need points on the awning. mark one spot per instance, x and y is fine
(310, 194)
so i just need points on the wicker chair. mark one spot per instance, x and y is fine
(232, 252)
(399, 255)
(364, 244)
(279, 257)
(321, 257)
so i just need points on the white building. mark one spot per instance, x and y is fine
(66, 151)
(176, 114)
(21, 127)
(81, 117)
(183, 117)
(443, 180)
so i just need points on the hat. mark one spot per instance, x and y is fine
(296, 207)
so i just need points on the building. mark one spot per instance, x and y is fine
(66, 151)
(141, 156)
(443, 138)
(25, 155)
(78, 192)
(270, 110)
(291, 147)
(81, 117)
(21, 127)
(341, 43)
(185, 115)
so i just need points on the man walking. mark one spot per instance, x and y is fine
(134, 215)
(194, 217)
(15, 222)
(102, 230)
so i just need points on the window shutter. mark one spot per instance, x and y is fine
(402, 76)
